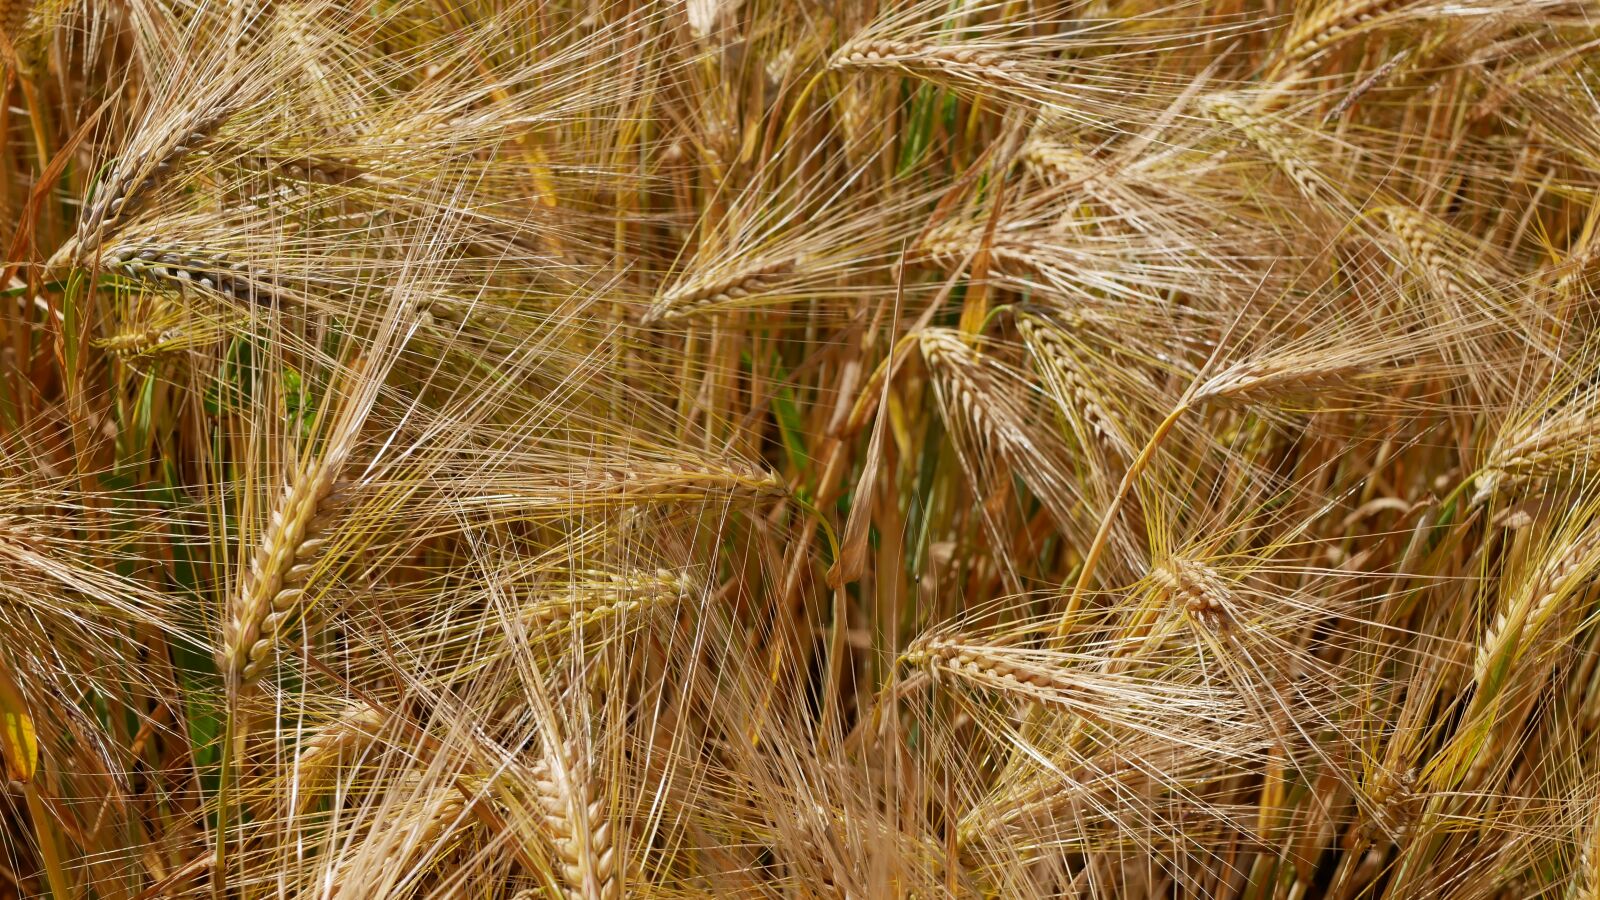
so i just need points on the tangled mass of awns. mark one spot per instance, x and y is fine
(595, 449)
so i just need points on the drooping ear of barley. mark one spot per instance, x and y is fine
(13, 16)
(1378, 76)
(139, 173)
(1395, 803)
(269, 594)
(1069, 682)
(320, 751)
(950, 244)
(1059, 164)
(395, 841)
(1425, 240)
(1333, 22)
(152, 325)
(189, 268)
(958, 366)
(1067, 372)
(136, 341)
(712, 290)
(1072, 268)
(961, 62)
(1585, 877)
(1279, 146)
(1555, 445)
(1201, 591)
(1267, 381)
(984, 411)
(608, 597)
(29, 26)
(1089, 741)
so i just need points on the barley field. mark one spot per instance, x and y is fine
(597, 449)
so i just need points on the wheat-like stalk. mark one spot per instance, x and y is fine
(578, 823)
(1064, 368)
(701, 292)
(966, 62)
(1201, 589)
(1333, 23)
(1270, 136)
(1524, 614)
(1421, 234)
(135, 178)
(269, 598)
(179, 267)
(610, 596)
(395, 840)
(1267, 381)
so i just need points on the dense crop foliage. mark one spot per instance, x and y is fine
(799, 448)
